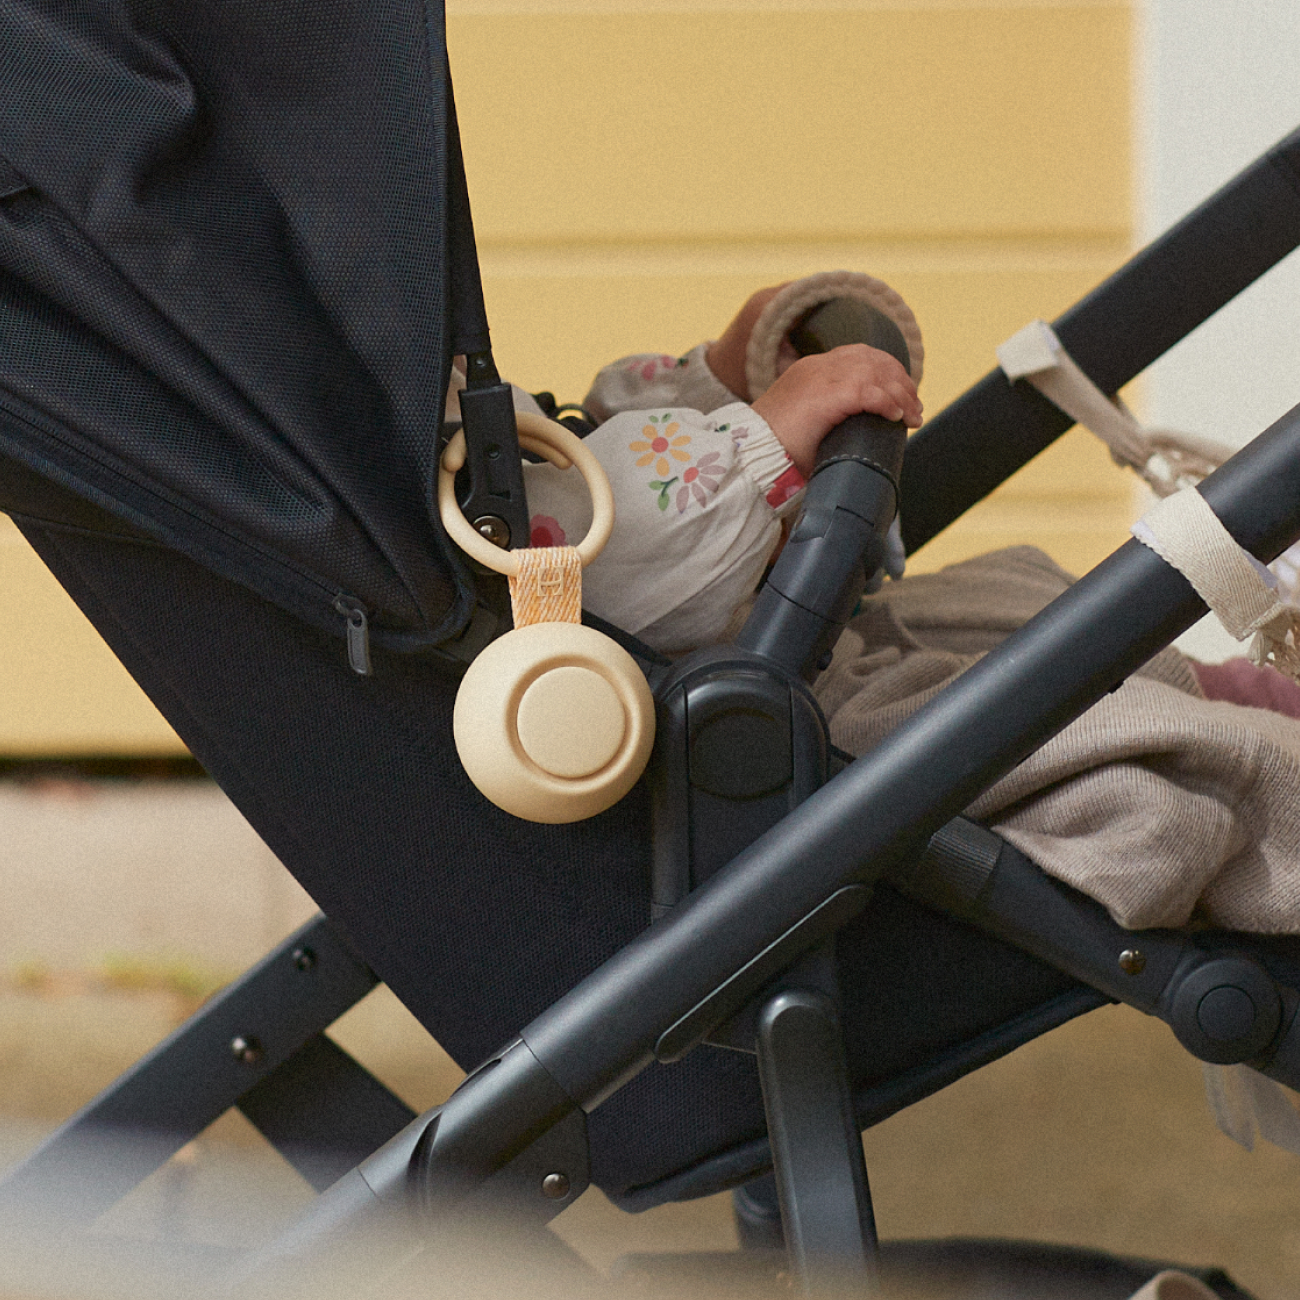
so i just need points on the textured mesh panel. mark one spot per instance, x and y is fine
(57, 365)
(224, 228)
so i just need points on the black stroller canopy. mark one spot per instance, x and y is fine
(226, 289)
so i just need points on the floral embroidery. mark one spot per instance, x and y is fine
(662, 445)
(703, 477)
(545, 531)
(648, 367)
(662, 489)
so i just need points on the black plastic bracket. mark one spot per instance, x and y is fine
(544, 1179)
(821, 1176)
(1222, 1003)
(495, 502)
(738, 744)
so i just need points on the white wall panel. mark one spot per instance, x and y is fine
(1219, 82)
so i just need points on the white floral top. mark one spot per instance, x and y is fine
(700, 487)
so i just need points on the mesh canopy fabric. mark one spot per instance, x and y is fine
(225, 295)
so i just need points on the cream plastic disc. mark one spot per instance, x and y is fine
(554, 722)
(570, 721)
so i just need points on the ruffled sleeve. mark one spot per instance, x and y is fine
(698, 500)
(650, 380)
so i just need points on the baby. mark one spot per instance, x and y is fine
(702, 475)
(1167, 801)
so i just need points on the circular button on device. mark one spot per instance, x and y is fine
(1225, 1009)
(1226, 1013)
(570, 722)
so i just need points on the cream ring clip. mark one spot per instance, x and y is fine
(542, 437)
(553, 721)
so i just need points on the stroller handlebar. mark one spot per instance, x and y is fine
(838, 542)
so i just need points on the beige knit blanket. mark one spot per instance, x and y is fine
(1159, 803)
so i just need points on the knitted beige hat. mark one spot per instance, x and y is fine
(800, 296)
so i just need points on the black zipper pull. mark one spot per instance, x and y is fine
(358, 634)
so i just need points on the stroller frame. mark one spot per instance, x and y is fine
(514, 1132)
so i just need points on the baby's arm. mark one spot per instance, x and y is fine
(699, 499)
(699, 502)
(810, 396)
(699, 510)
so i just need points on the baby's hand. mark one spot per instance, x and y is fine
(817, 392)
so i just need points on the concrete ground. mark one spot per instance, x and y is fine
(125, 904)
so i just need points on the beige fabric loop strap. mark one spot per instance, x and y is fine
(1166, 460)
(548, 586)
(1187, 534)
(1169, 461)
(800, 296)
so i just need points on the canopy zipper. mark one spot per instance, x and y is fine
(358, 633)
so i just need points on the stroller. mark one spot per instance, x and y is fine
(219, 387)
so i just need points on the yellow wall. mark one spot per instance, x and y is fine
(62, 691)
(638, 167)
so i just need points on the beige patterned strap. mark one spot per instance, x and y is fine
(548, 586)
(1165, 458)
(1187, 534)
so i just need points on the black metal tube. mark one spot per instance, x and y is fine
(888, 802)
(838, 542)
(1119, 329)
